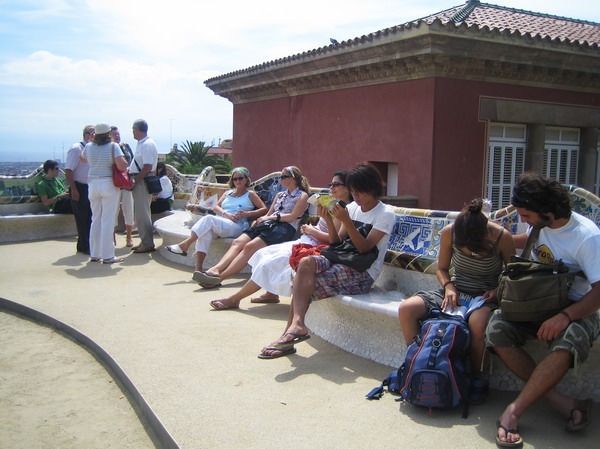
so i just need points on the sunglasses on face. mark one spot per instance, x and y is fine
(336, 184)
(238, 179)
(285, 176)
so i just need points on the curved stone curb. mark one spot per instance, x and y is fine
(156, 431)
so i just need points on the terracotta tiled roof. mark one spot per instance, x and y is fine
(472, 14)
(478, 14)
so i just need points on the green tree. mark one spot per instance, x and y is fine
(192, 157)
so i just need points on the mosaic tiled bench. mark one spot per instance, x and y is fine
(367, 325)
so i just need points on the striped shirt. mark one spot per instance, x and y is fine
(100, 159)
(476, 275)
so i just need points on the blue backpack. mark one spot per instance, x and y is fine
(434, 372)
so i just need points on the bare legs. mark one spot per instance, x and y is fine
(540, 381)
(185, 244)
(303, 288)
(410, 311)
(233, 301)
(236, 257)
(129, 238)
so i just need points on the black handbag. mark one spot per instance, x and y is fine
(533, 291)
(345, 252)
(152, 181)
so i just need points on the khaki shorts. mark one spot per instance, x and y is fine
(577, 338)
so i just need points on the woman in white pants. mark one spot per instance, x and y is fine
(104, 196)
(233, 210)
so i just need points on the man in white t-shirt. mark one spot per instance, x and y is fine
(565, 235)
(76, 174)
(143, 164)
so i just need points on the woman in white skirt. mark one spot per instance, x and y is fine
(271, 269)
(233, 210)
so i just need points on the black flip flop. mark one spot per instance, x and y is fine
(282, 353)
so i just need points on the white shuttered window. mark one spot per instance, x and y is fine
(506, 161)
(561, 154)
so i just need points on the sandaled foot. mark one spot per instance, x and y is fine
(265, 299)
(129, 243)
(223, 304)
(579, 418)
(94, 259)
(113, 260)
(176, 249)
(276, 352)
(143, 249)
(297, 338)
(506, 437)
(206, 280)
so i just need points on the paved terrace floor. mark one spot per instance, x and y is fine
(198, 369)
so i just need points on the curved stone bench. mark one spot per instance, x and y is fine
(173, 229)
(41, 226)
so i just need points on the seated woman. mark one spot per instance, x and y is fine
(271, 269)
(161, 201)
(317, 277)
(477, 250)
(234, 209)
(279, 225)
(52, 189)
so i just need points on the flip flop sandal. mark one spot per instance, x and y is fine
(176, 249)
(112, 260)
(297, 337)
(585, 408)
(206, 280)
(220, 305)
(141, 250)
(281, 353)
(508, 444)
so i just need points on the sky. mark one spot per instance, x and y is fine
(68, 63)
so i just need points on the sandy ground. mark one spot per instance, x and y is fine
(53, 394)
(198, 369)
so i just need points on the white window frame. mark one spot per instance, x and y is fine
(505, 162)
(561, 156)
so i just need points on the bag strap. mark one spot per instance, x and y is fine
(533, 236)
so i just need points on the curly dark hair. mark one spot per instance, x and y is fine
(541, 195)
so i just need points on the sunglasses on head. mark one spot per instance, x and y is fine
(335, 184)
(240, 178)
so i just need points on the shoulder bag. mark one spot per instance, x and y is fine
(345, 252)
(533, 291)
(120, 177)
(152, 181)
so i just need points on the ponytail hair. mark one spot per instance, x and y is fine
(470, 228)
(301, 180)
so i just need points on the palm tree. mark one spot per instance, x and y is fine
(192, 157)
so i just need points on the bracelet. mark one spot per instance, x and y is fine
(567, 315)
(446, 283)
(278, 215)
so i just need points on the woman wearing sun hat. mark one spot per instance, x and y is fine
(233, 210)
(104, 196)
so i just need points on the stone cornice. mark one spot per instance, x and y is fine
(420, 51)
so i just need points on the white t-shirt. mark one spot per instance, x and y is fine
(167, 188)
(145, 153)
(382, 218)
(578, 245)
(79, 168)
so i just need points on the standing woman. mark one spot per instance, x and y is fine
(233, 210)
(279, 225)
(477, 250)
(104, 196)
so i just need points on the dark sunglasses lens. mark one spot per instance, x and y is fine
(238, 179)
(284, 176)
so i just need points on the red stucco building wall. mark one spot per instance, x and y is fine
(430, 127)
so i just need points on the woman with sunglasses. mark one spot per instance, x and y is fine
(317, 277)
(278, 225)
(271, 269)
(233, 210)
